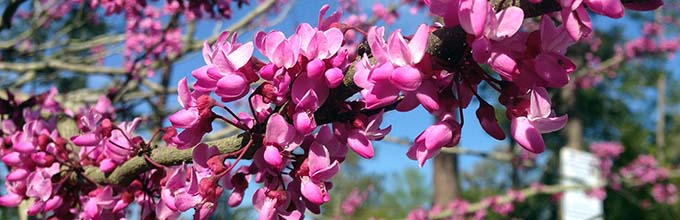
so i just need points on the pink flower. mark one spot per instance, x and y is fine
(200, 192)
(576, 19)
(228, 71)
(395, 69)
(645, 169)
(279, 137)
(606, 149)
(280, 51)
(362, 130)
(320, 170)
(444, 133)
(540, 118)
(352, 201)
(489, 48)
(666, 194)
(195, 117)
(325, 23)
(273, 204)
(120, 145)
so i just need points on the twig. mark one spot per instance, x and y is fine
(6, 19)
(58, 64)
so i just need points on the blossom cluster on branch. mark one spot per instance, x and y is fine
(304, 116)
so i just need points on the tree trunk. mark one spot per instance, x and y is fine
(445, 179)
(661, 117)
(574, 128)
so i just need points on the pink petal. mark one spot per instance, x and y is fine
(577, 23)
(260, 42)
(12, 158)
(509, 22)
(480, 50)
(231, 87)
(241, 55)
(398, 50)
(315, 68)
(333, 77)
(505, 65)
(235, 199)
(183, 93)
(334, 37)
(380, 95)
(206, 52)
(273, 156)
(360, 144)
(406, 78)
(202, 153)
(84, 140)
(539, 103)
(185, 201)
(203, 83)
(553, 39)
(177, 179)
(437, 135)
(320, 166)
(39, 187)
(418, 43)
(312, 192)
(609, 8)
(472, 15)
(526, 135)
(182, 119)
(428, 97)
(382, 72)
(363, 68)
(271, 42)
(333, 18)
(487, 119)
(303, 123)
(17, 174)
(10, 200)
(549, 68)
(448, 9)
(35, 208)
(377, 44)
(278, 130)
(28, 147)
(52, 203)
(546, 125)
(107, 165)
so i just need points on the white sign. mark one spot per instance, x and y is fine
(579, 168)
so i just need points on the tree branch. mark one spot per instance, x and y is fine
(166, 156)
(6, 19)
(533, 191)
(58, 64)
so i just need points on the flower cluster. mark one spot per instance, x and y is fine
(645, 169)
(458, 208)
(606, 152)
(43, 162)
